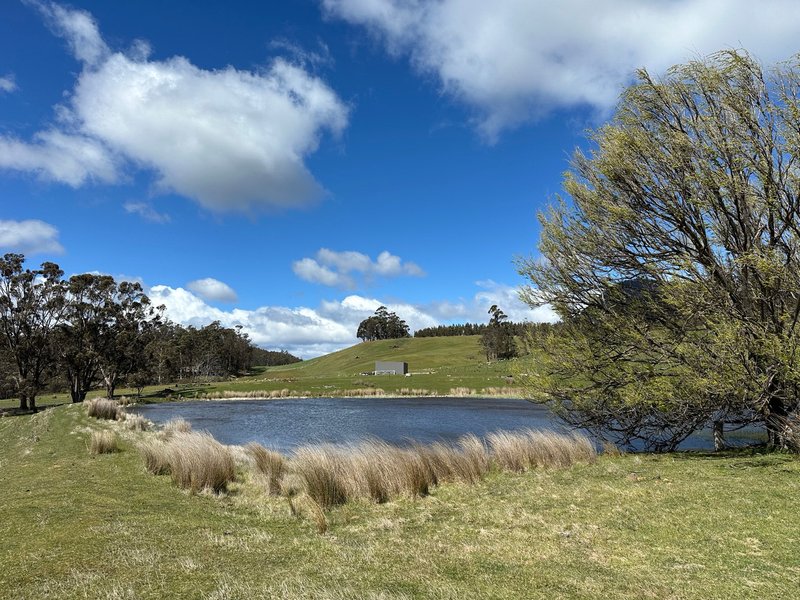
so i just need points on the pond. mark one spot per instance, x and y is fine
(288, 423)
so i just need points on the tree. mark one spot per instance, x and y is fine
(498, 338)
(694, 188)
(123, 350)
(85, 330)
(31, 305)
(383, 325)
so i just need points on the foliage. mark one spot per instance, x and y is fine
(677, 265)
(273, 358)
(383, 325)
(31, 306)
(498, 337)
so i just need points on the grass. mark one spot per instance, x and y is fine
(196, 461)
(683, 526)
(102, 442)
(102, 408)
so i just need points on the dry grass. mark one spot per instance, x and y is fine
(196, 461)
(102, 442)
(102, 408)
(270, 464)
(523, 450)
(135, 422)
(331, 475)
(174, 426)
(461, 391)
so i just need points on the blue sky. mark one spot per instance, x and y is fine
(289, 166)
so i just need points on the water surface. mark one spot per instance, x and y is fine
(288, 423)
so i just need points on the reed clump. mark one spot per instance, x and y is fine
(102, 408)
(102, 442)
(195, 461)
(177, 425)
(268, 463)
(376, 471)
(461, 391)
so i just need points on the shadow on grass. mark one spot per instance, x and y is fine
(757, 456)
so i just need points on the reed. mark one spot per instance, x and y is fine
(270, 464)
(102, 408)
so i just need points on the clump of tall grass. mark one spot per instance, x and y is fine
(522, 450)
(102, 408)
(268, 463)
(196, 461)
(461, 391)
(502, 391)
(102, 442)
(177, 425)
(415, 392)
(133, 422)
(376, 471)
(363, 392)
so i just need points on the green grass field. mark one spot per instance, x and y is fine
(670, 526)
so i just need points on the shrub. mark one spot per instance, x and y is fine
(102, 408)
(102, 442)
(270, 464)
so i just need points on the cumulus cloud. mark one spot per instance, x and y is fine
(229, 139)
(213, 289)
(334, 269)
(7, 84)
(29, 237)
(514, 60)
(332, 325)
(146, 211)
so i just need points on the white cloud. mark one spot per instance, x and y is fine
(29, 237)
(7, 84)
(514, 60)
(334, 268)
(146, 211)
(213, 289)
(230, 139)
(309, 332)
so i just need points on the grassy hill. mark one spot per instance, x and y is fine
(453, 366)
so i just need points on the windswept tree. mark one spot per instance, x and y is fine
(31, 306)
(383, 325)
(498, 337)
(676, 265)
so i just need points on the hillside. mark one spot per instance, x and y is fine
(438, 366)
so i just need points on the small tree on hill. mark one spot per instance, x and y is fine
(383, 325)
(498, 338)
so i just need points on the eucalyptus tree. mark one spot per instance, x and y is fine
(675, 261)
(498, 337)
(31, 306)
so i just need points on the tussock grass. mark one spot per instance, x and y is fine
(461, 391)
(102, 408)
(363, 392)
(102, 442)
(135, 422)
(155, 455)
(376, 471)
(523, 450)
(174, 426)
(270, 464)
(196, 461)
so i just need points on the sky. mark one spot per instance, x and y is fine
(291, 166)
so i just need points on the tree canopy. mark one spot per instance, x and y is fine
(383, 325)
(675, 261)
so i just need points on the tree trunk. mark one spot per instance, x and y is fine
(76, 391)
(776, 421)
(23, 401)
(719, 436)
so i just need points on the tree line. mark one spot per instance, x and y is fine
(90, 330)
